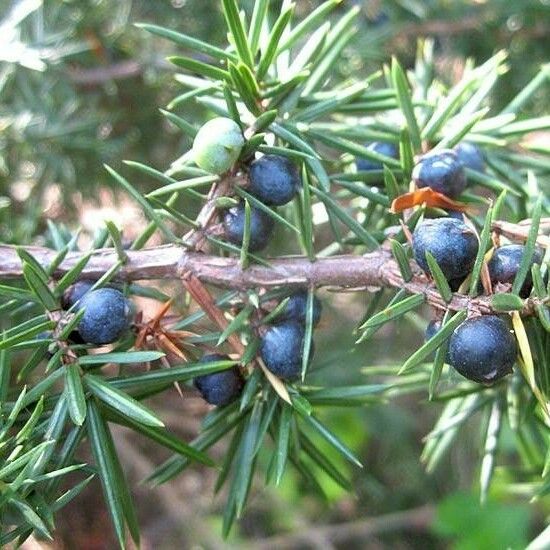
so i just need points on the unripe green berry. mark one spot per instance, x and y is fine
(218, 145)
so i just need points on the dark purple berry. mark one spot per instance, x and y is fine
(432, 329)
(296, 309)
(380, 147)
(106, 316)
(504, 265)
(75, 293)
(281, 349)
(261, 227)
(470, 156)
(483, 349)
(451, 242)
(274, 179)
(219, 388)
(442, 171)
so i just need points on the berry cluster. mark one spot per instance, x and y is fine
(441, 170)
(272, 179)
(483, 348)
(454, 246)
(281, 349)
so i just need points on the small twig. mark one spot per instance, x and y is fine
(520, 232)
(417, 519)
(465, 24)
(201, 295)
(121, 70)
(195, 240)
(208, 215)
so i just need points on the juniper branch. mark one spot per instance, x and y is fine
(370, 271)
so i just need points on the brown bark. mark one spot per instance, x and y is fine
(371, 271)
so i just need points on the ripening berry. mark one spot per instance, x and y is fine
(483, 349)
(451, 242)
(274, 179)
(217, 145)
(106, 316)
(219, 388)
(442, 171)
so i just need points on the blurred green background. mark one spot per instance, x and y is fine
(80, 86)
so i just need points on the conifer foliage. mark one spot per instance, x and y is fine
(287, 152)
